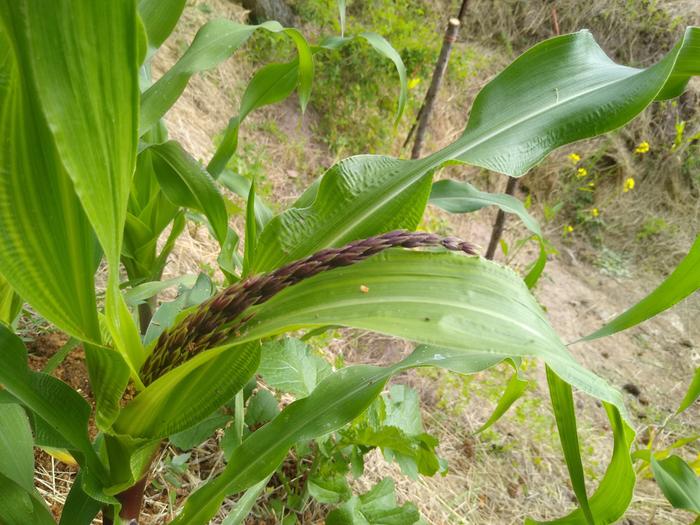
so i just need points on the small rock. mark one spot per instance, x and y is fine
(605, 354)
(643, 400)
(632, 389)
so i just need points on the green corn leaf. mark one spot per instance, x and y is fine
(358, 197)
(58, 405)
(271, 84)
(514, 390)
(560, 91)
(71, 56)
(16, 446)
(439, 299)
(245, 504)
(139, 294)
(188, 394)
(251, 233)
(187, 184)
(462, 197)
(239, 185)
(614, 492)
(682, 282)
(35, 188)
(79, 508)
(337, 400)
(563, 90)
(384, 48)
(109, 376)
(214, 43)
(276, 82)
(563, 404)
(692, 394)
(678, 482)
(10, 303)
(19, 506)
(159, 18)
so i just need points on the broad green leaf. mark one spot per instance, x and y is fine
(83, 57)
(109, 376)
(514, 390)
(692, 394)
(682, 282)
(290, 366)
(159, 18)
(678, 482)
(562, 399)
(214, 42)
(41, 218)
(58, 405)
(185, 183)
(16, 446)
(79, 64)
(262, 407)
(462, 197)
(19, 506)
(337, 400)
(436, 298)
(189, 393)
(358, 197)
(329, 489)
(560, 91)
(376, 507)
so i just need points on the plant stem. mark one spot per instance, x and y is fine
(132, 500)
(500, 221)
(421, 123)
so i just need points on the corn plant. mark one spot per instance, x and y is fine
(88, 177)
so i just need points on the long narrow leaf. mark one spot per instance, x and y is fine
(560, 91)
(684, 280)
(214, 43)
(563, 404)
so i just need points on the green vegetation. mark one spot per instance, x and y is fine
(92, 183)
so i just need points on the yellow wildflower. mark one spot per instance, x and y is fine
(581, 173)
(413, 82)
(568, 229)
(591, 184)
(642, 148)
(574, 157)
(629, 184)
(595, 212)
